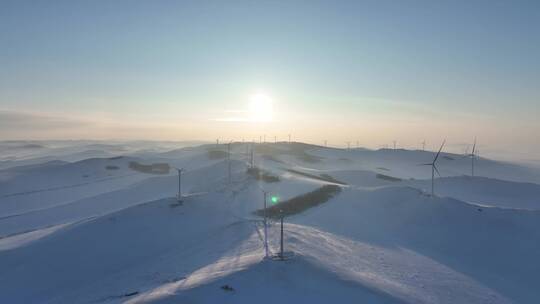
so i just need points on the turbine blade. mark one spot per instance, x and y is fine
(436, 170)
(438, 153)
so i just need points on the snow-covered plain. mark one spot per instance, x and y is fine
(79, 225)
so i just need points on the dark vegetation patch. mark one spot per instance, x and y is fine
(217, 154)
(388, 178)
(158, 168)
(302, 202)
(125, 295)
(112, 167)
(272, 158)
(263, 175)
(32, 146)
(24, 146)
(297, 150)
(322, 177)
(227, 288)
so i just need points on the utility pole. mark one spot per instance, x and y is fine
(424, 145)
(265, 228)
(264, 136)
(289, 138)
(275, 139)
(217, 142)
(394, 145)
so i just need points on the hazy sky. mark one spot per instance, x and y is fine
(372, 71)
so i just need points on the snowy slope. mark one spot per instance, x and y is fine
(495, 248)
(95, 235)
(486, 191)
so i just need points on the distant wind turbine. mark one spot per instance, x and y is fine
(434, 169)
(472, 156)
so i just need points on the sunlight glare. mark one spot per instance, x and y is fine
(260, 108)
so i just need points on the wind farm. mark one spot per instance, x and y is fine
(269, 152)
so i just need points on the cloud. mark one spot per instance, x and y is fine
(15, 124)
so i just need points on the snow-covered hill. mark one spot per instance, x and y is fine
(97, 230)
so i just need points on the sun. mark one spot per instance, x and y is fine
(260, 108)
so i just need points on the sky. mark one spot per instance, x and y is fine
(366, 71)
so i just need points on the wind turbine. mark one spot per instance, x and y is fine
(434, 169)
(472, 156)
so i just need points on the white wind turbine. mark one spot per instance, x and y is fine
(434, 169)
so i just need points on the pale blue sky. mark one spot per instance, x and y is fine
(368, 70)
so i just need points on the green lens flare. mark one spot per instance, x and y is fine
(274, 199)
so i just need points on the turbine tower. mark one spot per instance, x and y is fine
(179, 195)
(434, 169)
(251, 156)
(229, 161)
(265, 228)
(473, 156)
